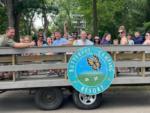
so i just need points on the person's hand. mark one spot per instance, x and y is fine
(32, 44)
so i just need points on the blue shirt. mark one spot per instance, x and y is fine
(138, 40)
(60, 42)
(105, 42)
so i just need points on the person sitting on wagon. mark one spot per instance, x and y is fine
(83, 41)
(6, 40)
(147, 38)
(60, 41)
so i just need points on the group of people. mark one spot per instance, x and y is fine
(84, 38)
(129, 39)
(57, 39)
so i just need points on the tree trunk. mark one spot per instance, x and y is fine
(95, 20)
(16, 26)
(148, 11)
(10, 12)
(46, 22)
(13, 17)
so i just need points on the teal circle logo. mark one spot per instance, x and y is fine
(91, 70)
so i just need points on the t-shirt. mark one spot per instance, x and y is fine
(44, 43)
(80, 42)
(60, 42)
(138, 40)
(105, 42)
(5, 41)
(130, 42)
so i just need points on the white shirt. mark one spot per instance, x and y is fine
(130, 42)
(80, 42)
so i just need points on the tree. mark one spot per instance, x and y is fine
(101, 15)
(95, 20)
(3, 20)
(13, 17)
(66, 9)
(18, 10)
(10, 12)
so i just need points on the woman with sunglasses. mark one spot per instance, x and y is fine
(97, 41)
(40, 42)
(123, 41)
(147, 38)
(122, 34)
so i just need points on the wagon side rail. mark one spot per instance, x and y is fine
(137, 57)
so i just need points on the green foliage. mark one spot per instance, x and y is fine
(66, 9)
(134, 14)
(146, 26)
(31, 8)
(3, 20)
(113, 13)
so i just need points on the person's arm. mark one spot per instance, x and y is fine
(23, 45)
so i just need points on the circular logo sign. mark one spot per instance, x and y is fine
(91, 70)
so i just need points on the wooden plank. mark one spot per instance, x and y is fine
(129, 63)
(5, 59)
(13, 63)
(129, 56)
(115, 59)
(35, 58)
(65, 61)
(40, 58)
(64, 49)
(33, 84)
(131, 80)
(25, 84)
(143, 68)
(51, 49)
(31, 67)
(147, 56)
(59, 65)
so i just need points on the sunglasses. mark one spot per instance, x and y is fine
(121, 32)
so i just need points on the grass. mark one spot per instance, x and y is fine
(91, 79)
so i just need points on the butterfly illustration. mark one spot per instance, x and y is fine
(94, 62)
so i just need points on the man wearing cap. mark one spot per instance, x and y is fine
(6, 40)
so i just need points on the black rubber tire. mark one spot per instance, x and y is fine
(54, 95)
(81, 105)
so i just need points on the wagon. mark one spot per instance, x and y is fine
(49, 87)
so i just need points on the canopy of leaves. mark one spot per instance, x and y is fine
(3, 20)
(134, 14)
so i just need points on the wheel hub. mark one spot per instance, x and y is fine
(87, 99)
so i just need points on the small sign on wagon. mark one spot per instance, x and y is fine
(91, 70)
